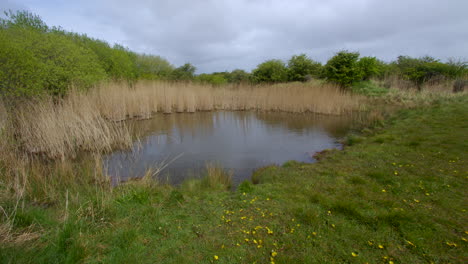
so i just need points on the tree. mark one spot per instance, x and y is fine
(153, 67)
(271, 71)
(342, 69)
(301, 68)
(238, 76)
(368, 67)
(183, 73)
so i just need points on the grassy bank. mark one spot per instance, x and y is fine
(397, 195)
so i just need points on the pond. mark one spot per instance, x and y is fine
(182, 144)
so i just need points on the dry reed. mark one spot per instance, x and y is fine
(118, 101)
(61, 129)
(87, 120)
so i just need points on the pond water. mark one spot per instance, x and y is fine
(239, 141)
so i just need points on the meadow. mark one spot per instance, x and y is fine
(394, 195)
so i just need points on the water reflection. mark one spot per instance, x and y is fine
(242, 141)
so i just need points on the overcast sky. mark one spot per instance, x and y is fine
(219, 35)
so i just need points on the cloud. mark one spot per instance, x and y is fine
(217, 35)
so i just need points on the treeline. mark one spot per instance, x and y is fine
(36, 59)
(345, 69)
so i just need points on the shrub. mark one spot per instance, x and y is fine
(342, 69)
(301, 68)
(271, 71)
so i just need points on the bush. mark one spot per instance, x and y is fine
(183, 73)
(37, 60)
(342, 69)
(301, 68)
(271, 71)
(368, 67)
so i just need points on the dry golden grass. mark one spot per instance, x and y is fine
(61, 129)
(118, 101)
(87, 121)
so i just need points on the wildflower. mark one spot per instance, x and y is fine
(381, 247)
(237, 244)
(216, 257)
(416, 200)
(391, 262)
(354, 254)
(246, 240)
(314, 233)
(427, 194)
(273, 253)
(255, 241)
(383, 190)
(396, 173)
(329, 212)
(370, 243)
(268, 199)
(333, 225)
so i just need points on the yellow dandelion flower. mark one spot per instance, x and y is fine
(354, 254)
(246, 240)
(216, 257)
(314, 233)
(259, 246)
(383, 190)
(396, 173)
(391, 262)
(416, 200)
(381, 247)
(255, 241)
(273, 253)
(333, 225)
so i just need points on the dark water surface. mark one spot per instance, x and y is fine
(241, 141)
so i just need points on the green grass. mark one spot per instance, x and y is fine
(369, 88)
(397, 195)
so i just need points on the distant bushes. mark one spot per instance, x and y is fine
(36, 59)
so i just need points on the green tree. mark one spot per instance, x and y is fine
(35, 59)
(238, 76)
(185, 72)
(368, 67)
(342, 69)
(271, 71)
(301, 68)
(153, 67)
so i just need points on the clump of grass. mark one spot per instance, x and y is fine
(62, 129)
(216, 177)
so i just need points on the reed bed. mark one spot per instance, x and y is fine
(62, 129)
(119, 101)
(88, 121)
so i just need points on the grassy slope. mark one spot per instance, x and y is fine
(398, 196)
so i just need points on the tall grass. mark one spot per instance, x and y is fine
(61, 129)
(88, 120)
(119, 101)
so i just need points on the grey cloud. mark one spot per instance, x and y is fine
(217, 35)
